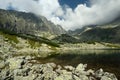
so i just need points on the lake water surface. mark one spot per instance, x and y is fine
(109, 60)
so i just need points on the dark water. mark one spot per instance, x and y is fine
(109, 60)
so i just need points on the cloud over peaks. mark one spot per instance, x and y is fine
(99, 12)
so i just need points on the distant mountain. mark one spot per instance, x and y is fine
(81, 30)
(109, 32)
(28, 23)
(104, 33)
(14, 22)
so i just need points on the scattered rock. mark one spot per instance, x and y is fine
(15, 63)
(19, 68)
(69, 68)
(28, 58)
(99, 73)
(81, 67)
(2, 64)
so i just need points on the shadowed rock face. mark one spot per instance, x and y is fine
(27, 23)
(102, 34)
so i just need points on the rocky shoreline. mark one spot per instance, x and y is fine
(24, 68)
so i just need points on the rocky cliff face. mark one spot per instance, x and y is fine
(27, 23)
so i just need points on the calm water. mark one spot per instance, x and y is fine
(109, 60)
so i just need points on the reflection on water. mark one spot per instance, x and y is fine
(109, 60)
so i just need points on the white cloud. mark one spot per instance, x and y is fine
(101, 11)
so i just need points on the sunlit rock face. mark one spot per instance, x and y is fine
(28, 23)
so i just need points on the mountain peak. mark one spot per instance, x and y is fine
(27, 23)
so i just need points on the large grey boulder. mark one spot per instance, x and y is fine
(99, 73)
(64, 75)
(15, 63)
(81, 67)
(49, 75)
(69, 68)
(2, 64)
(108, 76)
(105, 75)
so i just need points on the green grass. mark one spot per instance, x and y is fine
(38, 39)
(114, 45)
(11, 38)
(91, 42)
(34, 44)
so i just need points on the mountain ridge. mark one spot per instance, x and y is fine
(99, 33)
(28, 23)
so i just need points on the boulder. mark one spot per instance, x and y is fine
(53, 65)
(2, 64)
(99, 73)
(21, 72)
(64, 77)
(75, 77)
(90, 72)
(81, 67)
(108, 76)
(15, 63)
(49, 75)
(69, 68)
(83, 77)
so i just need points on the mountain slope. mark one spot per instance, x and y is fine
(105, 33)
(28, 23)
(65, 38)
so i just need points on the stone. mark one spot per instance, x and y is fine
(21, 72)
(64, 77)
(65, 72)
(50, 75)
(18, 78)
(109, 76)
(75, 77)
(28, 58)
(106, 78)
(59, 78)
(15, 63)
(99, 73)
(91, 78)
(59, 67)
(90, 72)
(30, 77)
(79, 72)
(36, 68)
(46, 67)
(81, 67)
(83, 77)
(19, 68)
(4, 74)
(69, 68)
(2, 65)
(53, 65)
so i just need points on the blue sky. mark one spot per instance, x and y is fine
(73, 3)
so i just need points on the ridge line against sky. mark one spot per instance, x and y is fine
(70, 14)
